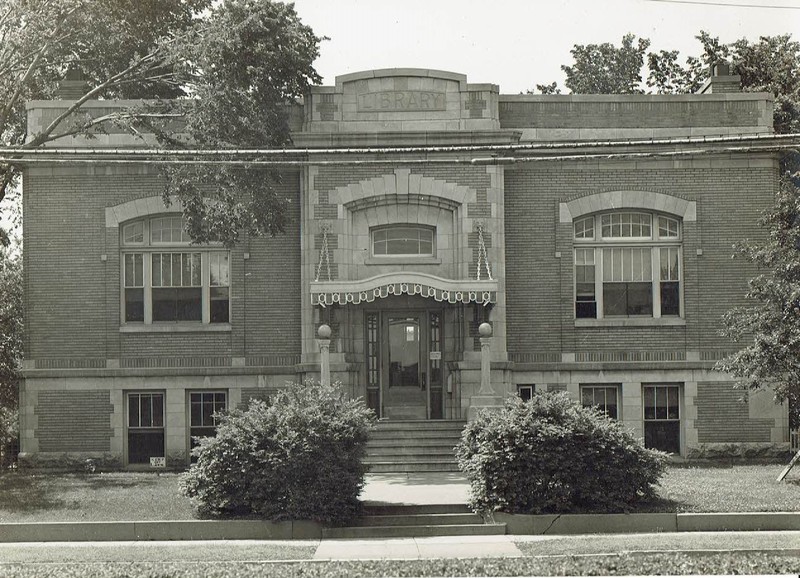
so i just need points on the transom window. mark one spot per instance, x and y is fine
(165, 280)
(627, 264)
(402, 241)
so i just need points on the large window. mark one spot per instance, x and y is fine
(627, 264)
(164, 279)
(402, 241)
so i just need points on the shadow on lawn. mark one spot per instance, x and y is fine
(28, 494)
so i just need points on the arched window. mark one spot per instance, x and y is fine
(167, 280)
(627, 264)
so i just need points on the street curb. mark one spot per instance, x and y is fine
(516, 524)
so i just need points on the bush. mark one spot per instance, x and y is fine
(550, 455)
(298, 457)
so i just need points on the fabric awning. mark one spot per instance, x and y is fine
(326, 293)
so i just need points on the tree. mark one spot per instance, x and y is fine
(11, 327)
(771, 322)
(770, 65)
(605, 68)
(223, 72)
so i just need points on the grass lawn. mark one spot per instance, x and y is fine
(616, 565)
(26, 497)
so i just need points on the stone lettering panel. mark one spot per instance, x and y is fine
(401, 101)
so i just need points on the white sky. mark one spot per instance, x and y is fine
(519, 43)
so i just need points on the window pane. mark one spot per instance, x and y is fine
(177, 269)
(640, 299)
(166, 270)
(195, 411)
(615, 299)
(667, 228)
(649, 402)
(673, 406)
(670, 298)
(402, 241)
(164, 304)
(189, 304)
(219, 270)
(661, 403)
(584, 228)
(133, 410)
(158, 410)
(219, 305)
(134, 304)
(133, 233)
(146, 411)
(196, 269)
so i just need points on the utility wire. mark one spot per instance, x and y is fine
(726, 4)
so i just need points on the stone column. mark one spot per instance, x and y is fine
(486, 398)
(324, 342)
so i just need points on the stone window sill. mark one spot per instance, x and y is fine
(175, 328)
(632, 322)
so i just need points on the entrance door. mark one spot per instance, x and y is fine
(405, 369)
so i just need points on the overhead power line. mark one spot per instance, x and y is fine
(727, 4)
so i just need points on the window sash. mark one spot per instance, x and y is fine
(661, 403)
(182, 278)
(203, 406)
(145, 410)
(604, 397)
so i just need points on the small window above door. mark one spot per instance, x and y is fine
(403, 241)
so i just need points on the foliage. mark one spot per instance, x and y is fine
(550, 455)
(771, 322)
(11, 327)
(298, 457)
(771, 64)
(221, 74)
(607, 69)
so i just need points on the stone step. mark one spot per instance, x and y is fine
(394, 441)
(461, 518)
(365, 532)
(418, 424)
(444, 452)
(395, 467)
(414, 509)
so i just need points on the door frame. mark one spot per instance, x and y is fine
(424, 315)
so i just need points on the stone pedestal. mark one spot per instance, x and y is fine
(324, 343)
(486, 398)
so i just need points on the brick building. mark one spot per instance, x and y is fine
(594, 234)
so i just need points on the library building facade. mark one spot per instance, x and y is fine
(576, 243)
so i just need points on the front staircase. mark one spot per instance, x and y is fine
(398, 521)
(413, 446)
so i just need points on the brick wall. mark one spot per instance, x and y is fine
(71, 421)
(72, 295)
(723, 416)
(539, 285)
(570, 111)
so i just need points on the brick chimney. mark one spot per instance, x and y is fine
(721, 80)
(73, 86)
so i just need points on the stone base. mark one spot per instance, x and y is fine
(481, 402)
(771, 451)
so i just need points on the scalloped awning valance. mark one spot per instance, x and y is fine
(326, 293)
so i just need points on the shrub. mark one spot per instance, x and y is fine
(550, 455)
(9, 436)
(298, 457)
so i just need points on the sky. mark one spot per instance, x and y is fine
(520, 43)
